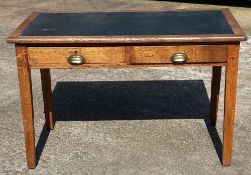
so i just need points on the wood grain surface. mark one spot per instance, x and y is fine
(47, 96)
(162, 54)
(215, 92)
(26, 104)
(42, 57)
(230, 100)
(39, 56)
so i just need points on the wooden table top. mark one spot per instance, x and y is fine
(129, 27)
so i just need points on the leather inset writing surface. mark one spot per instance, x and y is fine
(129, 23)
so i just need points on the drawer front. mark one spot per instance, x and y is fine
(52, 56)
(163, 54)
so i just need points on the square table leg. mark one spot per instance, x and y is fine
(24, 77)
(215, 90)
(230, 98)
(47, 96)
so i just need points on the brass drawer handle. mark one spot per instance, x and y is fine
(179, 58)
(76, 59)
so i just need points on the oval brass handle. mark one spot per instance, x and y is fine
(179, 58)
(76, 59)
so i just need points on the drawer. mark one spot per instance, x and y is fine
(163, 54)
(53, 56)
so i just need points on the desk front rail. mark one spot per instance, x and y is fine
(126, 56)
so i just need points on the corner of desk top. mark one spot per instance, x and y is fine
(234, 24)
(18, 31)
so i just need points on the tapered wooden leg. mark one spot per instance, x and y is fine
(230, 97)
(47, 96)
(26, 104)
(215, 90)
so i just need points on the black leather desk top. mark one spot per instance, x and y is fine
(129, 23)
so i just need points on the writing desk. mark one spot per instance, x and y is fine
(127, 39)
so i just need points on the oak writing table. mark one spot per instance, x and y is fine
(127, 39)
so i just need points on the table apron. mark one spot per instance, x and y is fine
(127, 56)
